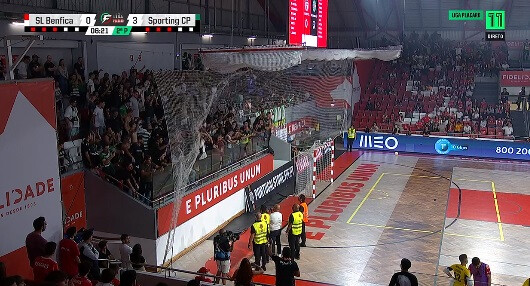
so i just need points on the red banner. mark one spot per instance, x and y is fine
(73, 194)
(208, 196)
(515, 78)
(300, 124)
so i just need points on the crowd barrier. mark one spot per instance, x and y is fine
(442, 145)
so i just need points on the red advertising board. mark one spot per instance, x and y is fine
(300, 124)
(515, 78)
(208, 196)
(73, 195)
(308, 23)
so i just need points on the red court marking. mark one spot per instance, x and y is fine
(271, 280)
(480, 205)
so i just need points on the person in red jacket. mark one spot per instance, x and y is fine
(45, 264)
(69, 253)
(81, 278)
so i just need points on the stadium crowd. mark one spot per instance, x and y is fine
(431, 70)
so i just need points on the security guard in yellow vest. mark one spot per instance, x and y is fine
(351, 137)
(294, 230)
(266, 218)
(258, 239)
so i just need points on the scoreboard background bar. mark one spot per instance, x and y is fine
(143, 29)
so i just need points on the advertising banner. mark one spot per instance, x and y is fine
(297, 126)
(208, 196)
(450, 146)
(73, 194)
(515, 78)
(29, 181)
(276, 181)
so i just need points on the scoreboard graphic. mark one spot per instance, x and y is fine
(112, 24)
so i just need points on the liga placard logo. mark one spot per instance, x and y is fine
(444, 146)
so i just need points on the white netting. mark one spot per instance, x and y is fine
(219, 116)
(308, 176)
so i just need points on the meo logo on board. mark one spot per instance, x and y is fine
(379, 142)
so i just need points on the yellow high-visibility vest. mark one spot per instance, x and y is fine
(351, 133)
(260, 237)
(296, 228)
(266, 218)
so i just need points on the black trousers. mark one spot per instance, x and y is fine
(275, 241)
(294, 245)
(350, 143)
(260, 253)
(302, 236)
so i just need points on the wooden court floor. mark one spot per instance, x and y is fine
(428, 209)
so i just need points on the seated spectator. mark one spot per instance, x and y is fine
(56, 278)
(81, 279)
(374, 128)
(104, 254)
(459, 127)
(128, 278)
(244, 274)
(508, 130)
(69, 253)
(89, 254)
(467, 128)
(115, 267)
(45, 264)
(107, 276)
(137, 260)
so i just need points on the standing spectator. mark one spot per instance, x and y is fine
(89, 254)
(49, 67)
(79, 68)
(22, 68)
(135, 104)
(243, 275)
(137, 260)
(520, 98)
(62, 77)
(34, 68)
(71, 115)
(90, 86)
(276, 228)
(286, 268)
(99, 117)
(404, 277)
(508, 130)
(481, 272)
(75, 86)
(504, 95)
(34, 241)
(146, 178)
(69, 253)
(81, 279)
(45, 264)
(104, 254)
(125, 251)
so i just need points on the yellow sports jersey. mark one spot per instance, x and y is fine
(527, 282)
(460, 273)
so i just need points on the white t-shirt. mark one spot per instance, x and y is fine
(22, 69)
(508, 131)
(71, 113)
(90, 86)
(99, 117)
(125, 252)
(135, 106)
(276, 221)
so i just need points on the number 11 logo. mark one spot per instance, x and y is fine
(495, 20)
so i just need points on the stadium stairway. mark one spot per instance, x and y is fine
(488, 88)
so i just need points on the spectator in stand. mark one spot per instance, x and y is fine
(56, 278)
(115, 267)
(137, 260)
(244, 274)
(504, 95)
(81, 279)
(71, 115)
(467, 128)
(107, 276)
(99, 117)
(135, 104)
(90, 86)
(125, 251)
(104, 254)
(69, 253)
(374, 128)
(520, 98)
(146, 177)
(76, 86)
(3, 273)
(128, 278)
(45, 264)
(404, 277)
(35, 69)
(62, 77)
(202, 276)
(35, 243)
(22, 68)
(49, 67)
(508, 130)
(89, 254)
(79, 68)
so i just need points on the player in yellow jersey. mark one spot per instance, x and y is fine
(461, 273)
(527, 282)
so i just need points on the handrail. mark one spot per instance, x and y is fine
(166, 198)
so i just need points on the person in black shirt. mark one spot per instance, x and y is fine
(504, 95)
(286, 268)
(222, 249)
(79, 67)
(404, 277)
(34, 67)
(49, 67)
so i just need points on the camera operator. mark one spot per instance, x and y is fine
(223, 245)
